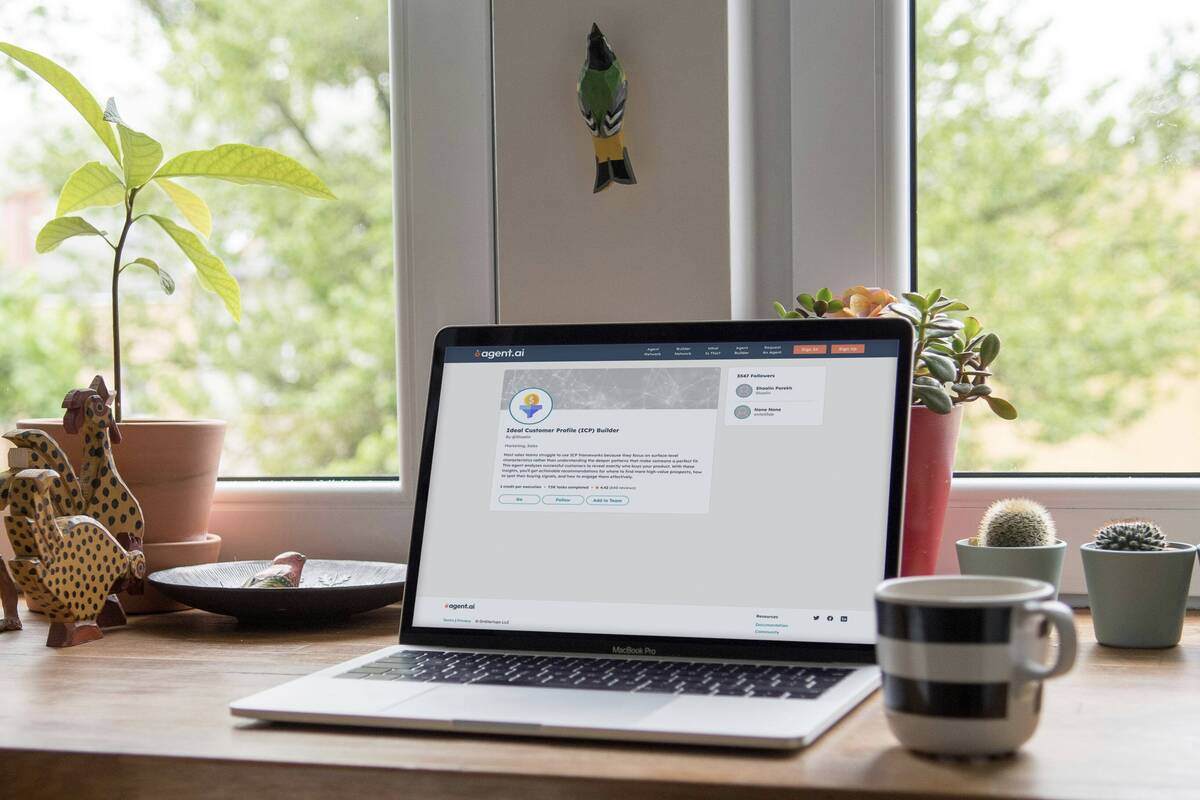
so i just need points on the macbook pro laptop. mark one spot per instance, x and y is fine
(656, 532)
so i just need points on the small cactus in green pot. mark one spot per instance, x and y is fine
(1131, 534)
(1016, 522)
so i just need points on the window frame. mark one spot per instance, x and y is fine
(445, 259)
(442, 202)
(885, 28)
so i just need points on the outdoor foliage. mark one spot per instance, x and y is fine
(1065, 227)
(307, 379)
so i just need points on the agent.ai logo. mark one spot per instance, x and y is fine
(492, 355)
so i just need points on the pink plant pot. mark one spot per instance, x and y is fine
(932, 439)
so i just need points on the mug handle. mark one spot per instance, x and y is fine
(1059, 615)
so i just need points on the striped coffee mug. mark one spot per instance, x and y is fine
(963, 660)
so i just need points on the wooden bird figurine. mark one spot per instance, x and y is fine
(284, 572)
(71, 566)
(99, 492)
(602, 91)
(11, 621)
(105, 496)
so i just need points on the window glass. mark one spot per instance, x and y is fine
(1058, 168)
(307, 380)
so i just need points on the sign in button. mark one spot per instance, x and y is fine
(562, 499)
(520, 499)
(607, 500)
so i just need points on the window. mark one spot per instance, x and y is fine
(307, 381)
(1058, 164)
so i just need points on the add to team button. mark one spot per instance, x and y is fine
(844, 349)
(519, 499)
(562, 499)
(607, 500)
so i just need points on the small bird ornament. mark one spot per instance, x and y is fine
(284, 573)
(602, 91)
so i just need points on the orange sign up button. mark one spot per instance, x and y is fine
(809, 349)
(842, 349)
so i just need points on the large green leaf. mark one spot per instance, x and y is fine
(142, 154)
(164, 278)
(244, 163)
(91, 185)
(70, 88)
(58, 230)
(210, 269)
(194, 209)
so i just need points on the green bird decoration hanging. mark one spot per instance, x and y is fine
(602, 90)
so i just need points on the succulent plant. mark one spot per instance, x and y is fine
(952, 357)
(1016, 522)
(1130, 534)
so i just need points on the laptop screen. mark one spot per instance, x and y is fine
(727, 490)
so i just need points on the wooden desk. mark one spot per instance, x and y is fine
(142, 713)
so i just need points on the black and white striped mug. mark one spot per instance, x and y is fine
(963, 660)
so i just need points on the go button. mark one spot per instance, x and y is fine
(519, 499)
(562, 499)
(607, 500)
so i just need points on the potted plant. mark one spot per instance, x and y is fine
(952, 361)
(1016, 538)
(1137, 584)
(169, 465)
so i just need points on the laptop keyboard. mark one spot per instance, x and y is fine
(609, 674)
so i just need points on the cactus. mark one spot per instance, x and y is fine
(1016, 522)
(1130, 534)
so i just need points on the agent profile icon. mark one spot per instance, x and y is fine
(530, 405)
(741, 412)
(744, 390)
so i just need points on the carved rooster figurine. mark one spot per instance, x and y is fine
(101, 495)
(71, 565)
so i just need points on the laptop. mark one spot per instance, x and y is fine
(651, 532)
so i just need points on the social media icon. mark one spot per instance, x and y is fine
(816, 617)
(829, 618)
(845, 618)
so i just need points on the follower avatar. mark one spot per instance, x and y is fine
(602, 91)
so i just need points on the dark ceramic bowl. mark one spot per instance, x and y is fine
(327, 590)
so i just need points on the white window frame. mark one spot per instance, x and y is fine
(831, 76)
(445, 262)
(444, 274)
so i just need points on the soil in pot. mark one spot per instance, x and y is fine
(1138, 598)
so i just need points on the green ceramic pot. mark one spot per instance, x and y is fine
(1039, 563)
(1138, 598)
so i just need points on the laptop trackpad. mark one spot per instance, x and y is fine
(530, 706)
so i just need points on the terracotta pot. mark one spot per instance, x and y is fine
(169, 465)
(931, 442)
(166, 555)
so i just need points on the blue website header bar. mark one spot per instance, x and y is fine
(691, 351)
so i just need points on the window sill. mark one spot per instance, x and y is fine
(1079, 505)
(369, 520)
(372, 519)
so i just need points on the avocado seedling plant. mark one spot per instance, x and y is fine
(952, 357)
(140, 165)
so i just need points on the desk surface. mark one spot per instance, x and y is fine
(143, 713)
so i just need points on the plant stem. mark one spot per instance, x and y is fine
(116, 307)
